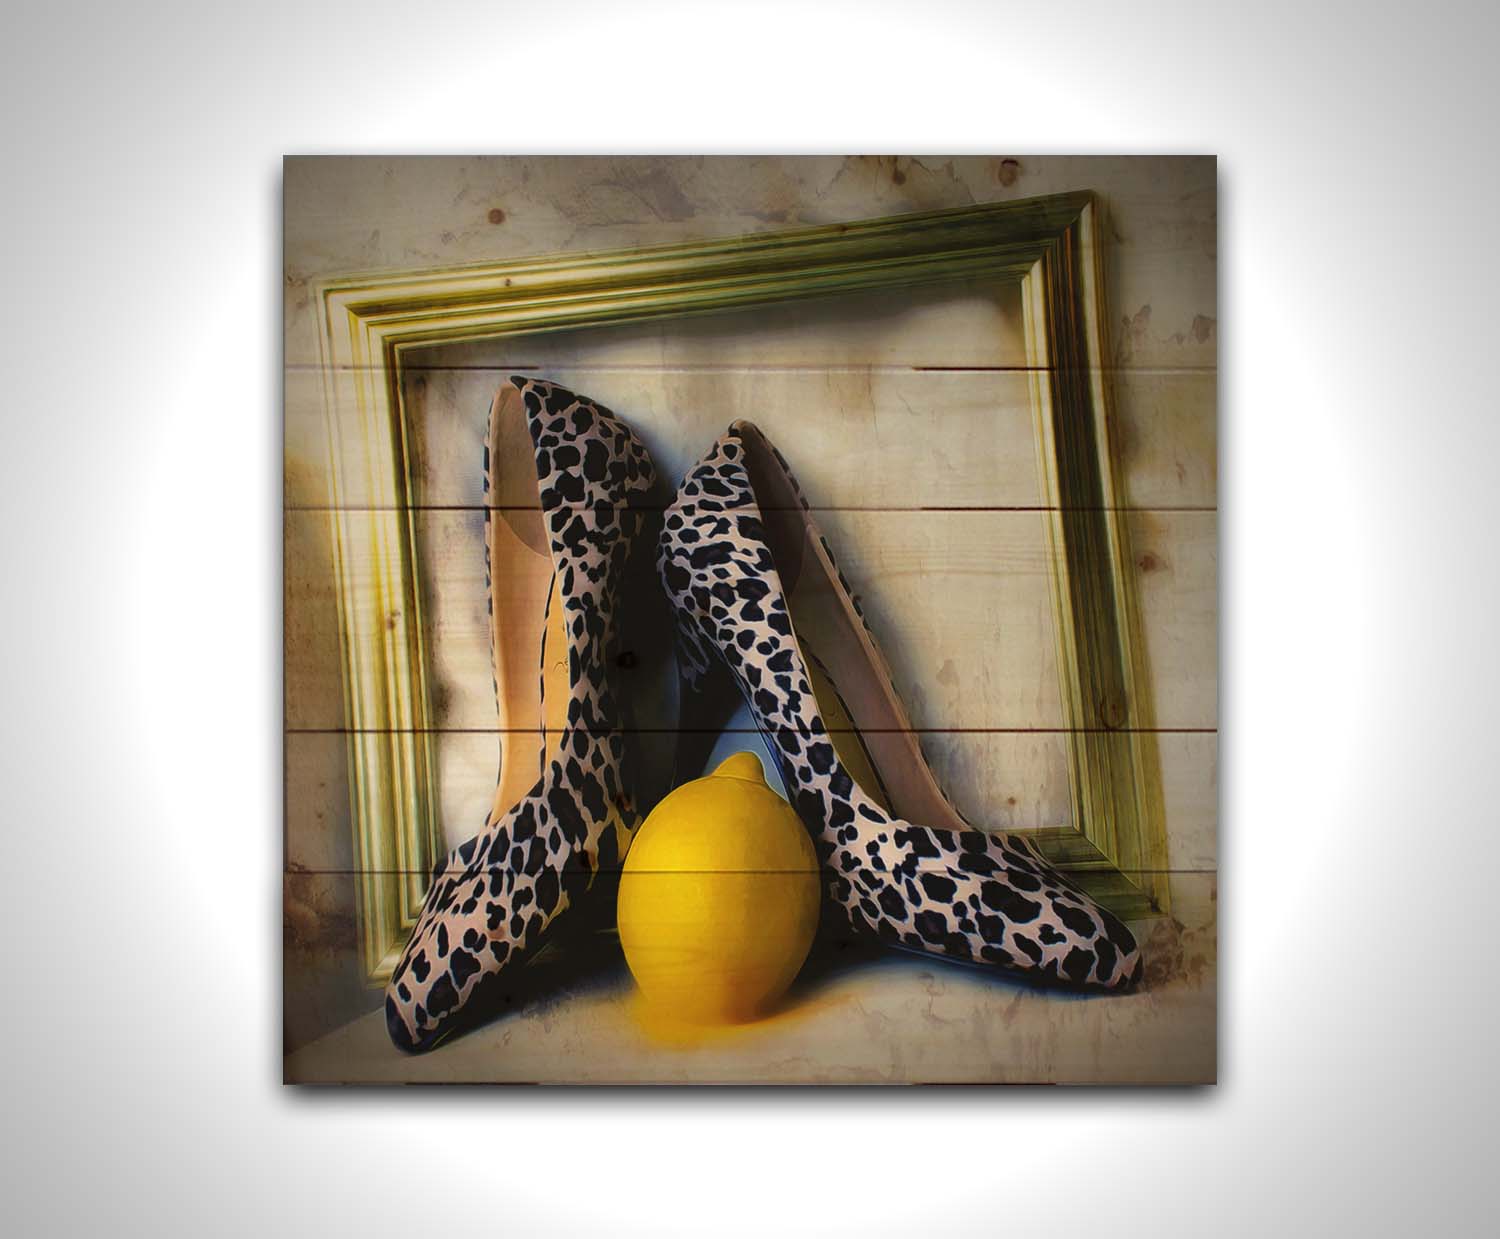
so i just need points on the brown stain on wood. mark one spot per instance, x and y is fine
(1136, 334)
(496, 215)
(1178, 954)
(314, 918)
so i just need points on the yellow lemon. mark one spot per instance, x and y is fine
(719, 897)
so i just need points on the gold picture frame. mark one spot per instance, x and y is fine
(1115, 847)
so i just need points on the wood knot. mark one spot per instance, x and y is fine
(497, 216)
(1112, 713)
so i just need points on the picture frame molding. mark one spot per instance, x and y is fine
(1115, 847)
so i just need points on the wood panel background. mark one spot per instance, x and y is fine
(908, 421)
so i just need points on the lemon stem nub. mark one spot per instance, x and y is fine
(741, 766)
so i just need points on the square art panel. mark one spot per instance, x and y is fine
(750, 620)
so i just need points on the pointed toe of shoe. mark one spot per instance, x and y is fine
(395, 1025)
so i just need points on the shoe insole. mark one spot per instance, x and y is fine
(739, 732)
(867, 723)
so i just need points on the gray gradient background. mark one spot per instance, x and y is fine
(141, 752)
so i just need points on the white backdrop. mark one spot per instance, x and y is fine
(141, 245)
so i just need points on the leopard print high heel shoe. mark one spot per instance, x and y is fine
(756, 589)
(556, 541)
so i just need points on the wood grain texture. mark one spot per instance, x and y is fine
(312, 679)
(959, 601)
(370, 214)
(1190, 798)
(960, 323)
(322, 972)
(867, 437)
(1167, 437)
(1177, 562)
(1160, 259)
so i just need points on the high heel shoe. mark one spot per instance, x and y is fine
(562, 812)
(756, 589)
